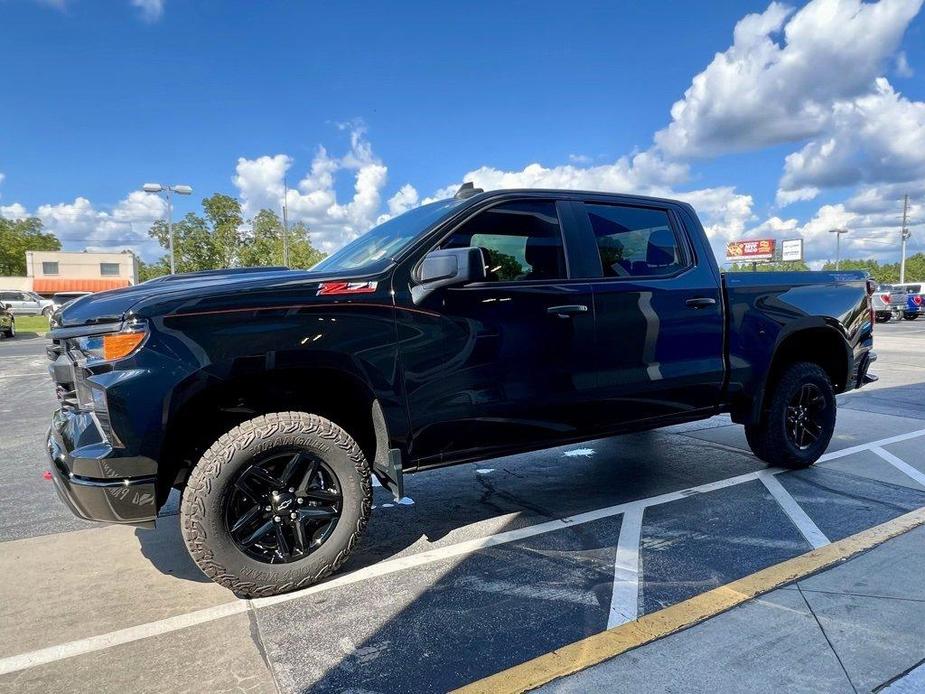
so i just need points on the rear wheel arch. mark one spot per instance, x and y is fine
(823, 345)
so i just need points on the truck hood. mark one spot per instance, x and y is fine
(117, 304)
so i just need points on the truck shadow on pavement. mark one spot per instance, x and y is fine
(462, 502)
(466, 501)
(164, 548)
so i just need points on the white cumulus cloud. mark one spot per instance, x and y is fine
(314, 198)
(782, 75)
(151, 10)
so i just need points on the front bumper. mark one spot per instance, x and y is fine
(106, 499)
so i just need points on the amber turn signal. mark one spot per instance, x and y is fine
(120, 345)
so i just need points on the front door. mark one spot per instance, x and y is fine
(506, 363)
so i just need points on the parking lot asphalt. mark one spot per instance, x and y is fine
(487, 566)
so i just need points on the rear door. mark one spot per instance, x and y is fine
(659, 315)
(506, 363)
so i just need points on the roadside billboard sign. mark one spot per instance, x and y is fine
(791, 249)
(757, 249)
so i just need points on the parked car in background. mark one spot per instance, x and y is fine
(26, 303)
(906, 300)
(7, 321)
(880, 302)
(62, 298)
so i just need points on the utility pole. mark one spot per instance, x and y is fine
(904, 234)
(838, 233)
(285, 225)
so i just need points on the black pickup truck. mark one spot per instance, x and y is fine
(482, 325)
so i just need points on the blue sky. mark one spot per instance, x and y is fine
(409, 98)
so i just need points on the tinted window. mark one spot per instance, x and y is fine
(49, 268)
(379, 245)
(109, 269)
(521, 241)
(634, 241)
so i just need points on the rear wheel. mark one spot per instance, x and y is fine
(884, 317)
(799, 421)
(910, 316)
(276, 504)
(11, 331)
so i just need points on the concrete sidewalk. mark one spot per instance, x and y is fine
(853, 628)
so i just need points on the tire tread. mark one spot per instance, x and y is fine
(204, 476)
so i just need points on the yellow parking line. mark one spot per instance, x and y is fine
(607, 644)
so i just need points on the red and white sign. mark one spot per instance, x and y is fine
(759, 249)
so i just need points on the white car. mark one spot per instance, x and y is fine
(26, 303)
(61, 298)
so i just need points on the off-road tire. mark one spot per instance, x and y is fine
(202, 516)
(769, 439)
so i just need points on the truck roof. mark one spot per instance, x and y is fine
(572, 193)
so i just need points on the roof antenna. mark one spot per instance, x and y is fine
(467, 190)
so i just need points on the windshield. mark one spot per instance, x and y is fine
(379, 245)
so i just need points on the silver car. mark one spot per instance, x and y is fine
(26, 303)
(880, 301)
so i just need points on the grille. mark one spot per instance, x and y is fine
(63, 374)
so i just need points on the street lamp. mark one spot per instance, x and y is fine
(838, 233)
(167, 190)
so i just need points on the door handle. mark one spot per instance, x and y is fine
(701, 302)
(567, 310)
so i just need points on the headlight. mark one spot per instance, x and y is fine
(92, 349)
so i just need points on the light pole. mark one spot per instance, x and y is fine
(904, 235)
(838, 233)
(167, 190)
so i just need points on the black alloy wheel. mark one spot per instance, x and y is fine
(805, 416)
(283, 508)
(798, 421)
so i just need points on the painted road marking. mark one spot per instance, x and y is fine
(814, 536)
(92, 644)
(624, 601)
(900, 465)
(594, 649)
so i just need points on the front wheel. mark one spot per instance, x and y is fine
(799, 421)
(11, 331)
(276, 504)
(910, 316)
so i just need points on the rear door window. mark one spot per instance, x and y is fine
(635, 241)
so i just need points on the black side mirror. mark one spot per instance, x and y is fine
(448, 267)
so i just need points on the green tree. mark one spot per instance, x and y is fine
(263, 245)
(18, 236)
(220, 239)
(779, 266)
(225, 219)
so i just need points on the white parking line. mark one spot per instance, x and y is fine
(814, 536)
(624, 600)
(900, 465)
(92, 644)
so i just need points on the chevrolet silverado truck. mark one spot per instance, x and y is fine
(478, 326)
